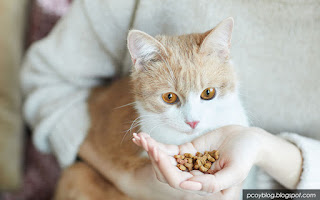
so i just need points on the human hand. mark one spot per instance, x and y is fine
(239, 150)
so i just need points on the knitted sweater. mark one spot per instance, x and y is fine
(274, 53)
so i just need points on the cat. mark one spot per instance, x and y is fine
(181, 87)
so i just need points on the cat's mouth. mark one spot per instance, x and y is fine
(191, 132)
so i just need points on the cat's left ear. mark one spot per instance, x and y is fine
(218, 40)
(143, 48)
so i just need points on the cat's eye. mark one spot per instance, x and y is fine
(208, 94)
(170, 97)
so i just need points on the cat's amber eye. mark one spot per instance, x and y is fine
(208, 94)
(170, 97)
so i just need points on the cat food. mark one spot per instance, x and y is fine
(202, 162)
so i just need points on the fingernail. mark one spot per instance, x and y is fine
(191, 185)
(136, 137)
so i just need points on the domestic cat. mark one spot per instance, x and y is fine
(181, 87)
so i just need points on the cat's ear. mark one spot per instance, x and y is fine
(143, 48)
(218, 40)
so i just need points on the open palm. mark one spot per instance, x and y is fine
(239, 150)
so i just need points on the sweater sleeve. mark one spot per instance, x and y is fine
(310, 151)
(59, 71)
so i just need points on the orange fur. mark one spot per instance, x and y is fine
(191, 71)
(179, 67)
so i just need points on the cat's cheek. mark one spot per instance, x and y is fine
(173, 118)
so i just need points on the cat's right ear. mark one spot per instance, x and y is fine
(218, 40)
(143, 48)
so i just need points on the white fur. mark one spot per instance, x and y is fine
(170, 126)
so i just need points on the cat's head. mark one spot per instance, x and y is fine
(186, 82)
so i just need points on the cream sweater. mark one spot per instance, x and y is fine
(274, 50)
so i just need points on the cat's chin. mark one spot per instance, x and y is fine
(192, 132)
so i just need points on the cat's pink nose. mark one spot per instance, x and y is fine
(193, 124)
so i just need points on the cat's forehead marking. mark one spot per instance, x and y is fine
(193, 72)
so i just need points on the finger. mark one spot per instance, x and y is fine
(136, 142)
(170, 172)
(144, 143)
(223, 179)
(153, 155)
(191, 185)
(136, 139)
(196, 173)
(168, 149)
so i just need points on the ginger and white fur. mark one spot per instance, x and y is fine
(185, 65)
(170, 125)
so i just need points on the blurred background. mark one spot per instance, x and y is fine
(24, 172)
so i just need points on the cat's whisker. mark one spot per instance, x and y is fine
(153, 128)
(136, 122)
(129, 104)
(130, 129)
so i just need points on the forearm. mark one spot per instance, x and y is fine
(280, 159)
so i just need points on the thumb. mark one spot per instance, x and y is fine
(223, 179)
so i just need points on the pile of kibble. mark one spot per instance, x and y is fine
(202, 162)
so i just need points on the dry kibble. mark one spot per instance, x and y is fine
(179, 160)
(211, 153)
(204, 157)
(196, 166)
(216, 155)
(188, 155)
(207, 165)
(211, 159)
(182, 162)
(189, 166)
(202, 162)
(181, 167)
(198, 162)
(203, 169)
(198, 154)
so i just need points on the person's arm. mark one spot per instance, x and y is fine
(281, 159)
(310, 151)
(59, 71)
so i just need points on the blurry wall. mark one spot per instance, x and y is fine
(12, 21)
